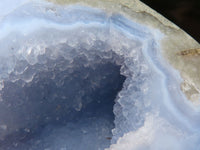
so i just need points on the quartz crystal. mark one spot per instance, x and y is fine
(80, 77)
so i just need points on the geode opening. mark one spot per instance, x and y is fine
(62, 94)
(61, 77)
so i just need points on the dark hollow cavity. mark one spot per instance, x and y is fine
(72, 95)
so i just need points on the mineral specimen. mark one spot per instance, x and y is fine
(86, 77)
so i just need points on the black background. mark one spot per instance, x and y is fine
(184, 13)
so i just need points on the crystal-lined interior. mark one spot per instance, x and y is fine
(45, 49)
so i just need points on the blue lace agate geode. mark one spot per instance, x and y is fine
(76, 78)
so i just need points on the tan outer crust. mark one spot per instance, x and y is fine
(174, 41)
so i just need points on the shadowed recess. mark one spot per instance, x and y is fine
(77, 93)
